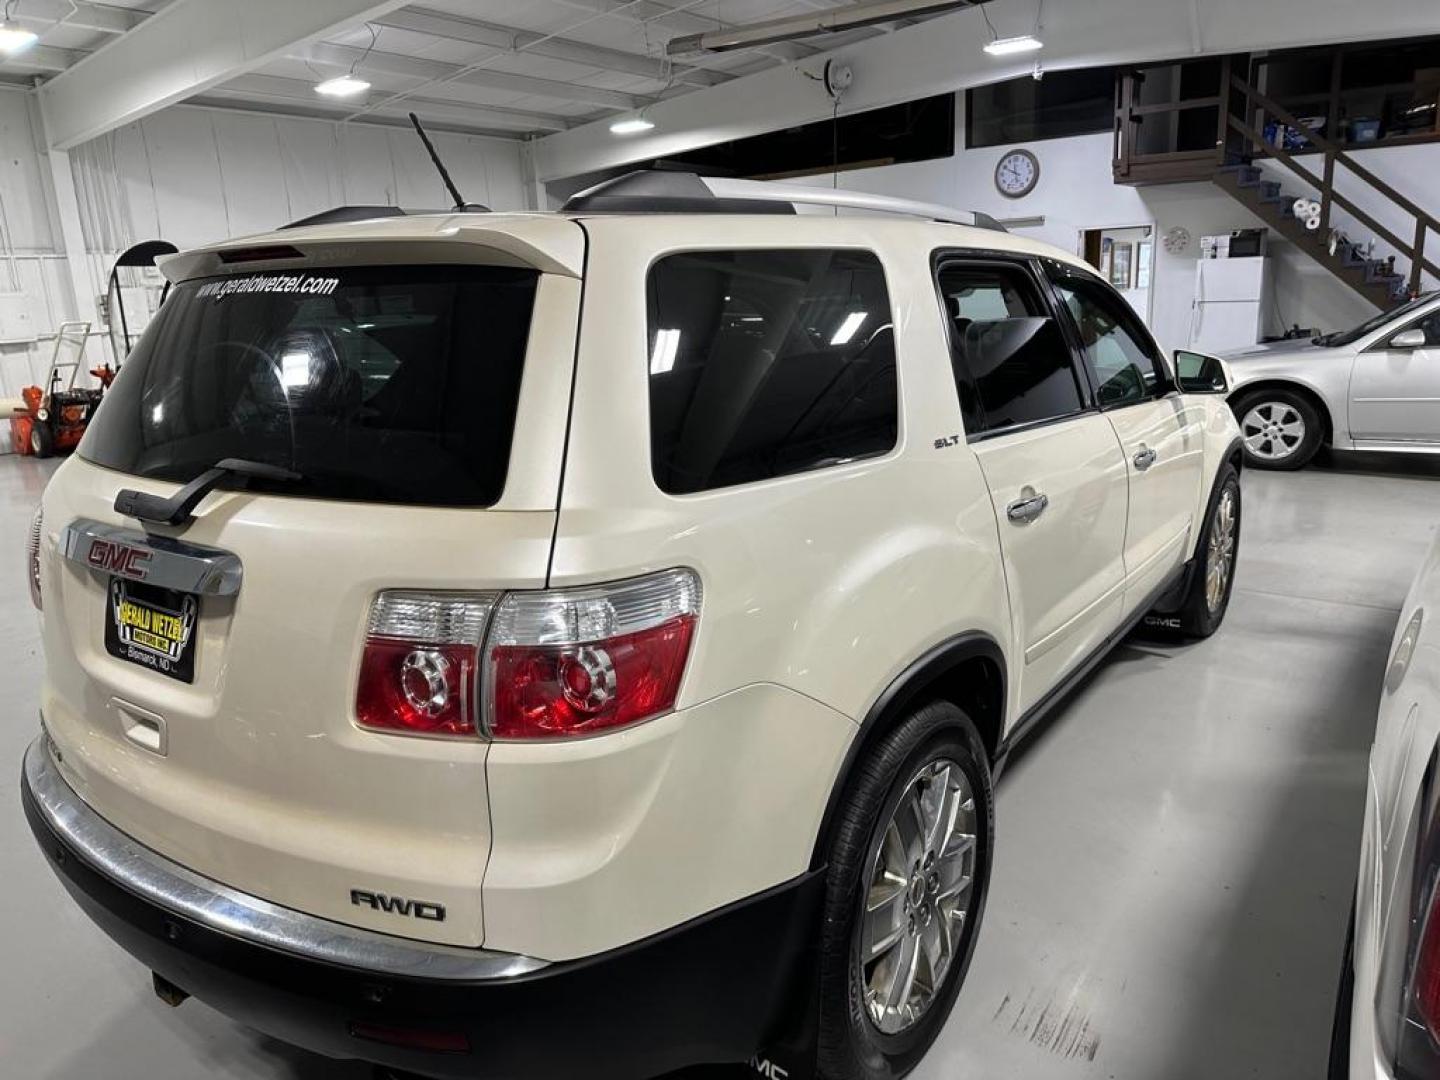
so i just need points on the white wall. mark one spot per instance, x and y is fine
(1076, 192)
(194, 175)
(35, 292)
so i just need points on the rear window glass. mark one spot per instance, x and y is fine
(767, 363)
(381, 384)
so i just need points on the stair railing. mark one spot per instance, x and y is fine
(1258, 105)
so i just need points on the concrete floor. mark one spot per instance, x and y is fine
(1175, 851)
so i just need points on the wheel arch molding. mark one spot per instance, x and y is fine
(946, 665)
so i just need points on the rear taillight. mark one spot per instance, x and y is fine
(32, 556)
(569, 662)
(1425, 982)
(556, 664)
(421, 659)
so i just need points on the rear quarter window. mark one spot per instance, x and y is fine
(767, 363)
(376, 384)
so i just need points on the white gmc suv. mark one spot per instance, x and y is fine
(582, 644)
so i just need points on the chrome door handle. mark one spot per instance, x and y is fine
(1023, 511)
(1144, 458)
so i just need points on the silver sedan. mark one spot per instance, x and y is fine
(1376, 387)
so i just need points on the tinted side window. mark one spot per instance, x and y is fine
(1012, 365)
(1122, 355)
(766, 363)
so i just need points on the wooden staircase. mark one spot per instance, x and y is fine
(1242, 112)
(1374, 279)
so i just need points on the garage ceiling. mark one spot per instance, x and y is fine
(503, 67)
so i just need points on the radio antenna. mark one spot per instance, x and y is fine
(460, 203)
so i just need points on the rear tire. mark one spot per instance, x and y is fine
(1213, 579)
(42, 442)
(932, 769)
(1280, 429)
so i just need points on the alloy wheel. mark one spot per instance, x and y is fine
(919, 896)
(1272, 430)
(1220, 559)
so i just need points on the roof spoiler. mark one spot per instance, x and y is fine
(662, 192)
(341, 214)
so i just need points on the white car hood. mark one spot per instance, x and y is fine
(1274, 350)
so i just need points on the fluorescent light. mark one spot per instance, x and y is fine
(342, 86)
(667, 344)
(1007, 46)
(631, 125)
(847, 329)
(13, 39)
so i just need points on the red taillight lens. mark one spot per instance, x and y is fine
(32, 556)
(1425, 983)
(574, 662)
(418, 672)
(544, 691)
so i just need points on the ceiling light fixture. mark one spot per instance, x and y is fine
(14, 38)
(348, 85)
(1010, 45)
(837, 20)
(631, 125)
(342, 86)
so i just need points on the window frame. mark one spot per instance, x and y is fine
(1027, 266)
(747, 485)
(1053, 272)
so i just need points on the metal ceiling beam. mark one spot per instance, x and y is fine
(643, 12)
(43, 58)
(280, 88)
(343, 56)
(436, 24)
(84, 16)
(186, 49)
(300, 110)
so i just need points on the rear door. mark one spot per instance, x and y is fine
(1395, 392)
(1051, 461)
(1161, 433)
(202, 679)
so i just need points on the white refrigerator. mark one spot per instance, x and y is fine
(1232, 303)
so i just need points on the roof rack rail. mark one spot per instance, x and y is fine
(341, 214)
(653, 191)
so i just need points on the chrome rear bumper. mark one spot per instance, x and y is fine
(171, 887)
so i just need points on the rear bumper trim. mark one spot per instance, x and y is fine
(169, 886)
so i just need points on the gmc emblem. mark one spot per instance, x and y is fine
(117, 558)
(398, 905)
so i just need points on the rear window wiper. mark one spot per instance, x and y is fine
(177, 510)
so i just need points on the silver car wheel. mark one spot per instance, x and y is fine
(1220, 559)
(919, 894)
(1272, 430)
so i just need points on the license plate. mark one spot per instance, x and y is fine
(152, 627)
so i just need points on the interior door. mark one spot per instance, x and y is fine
(1162, 434)
(1395, 391)
(1052, 463)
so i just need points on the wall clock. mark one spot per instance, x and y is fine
(1017, 173)
(1177, 240)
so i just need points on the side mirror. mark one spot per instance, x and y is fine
(1196, 373)
(1408, 339)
